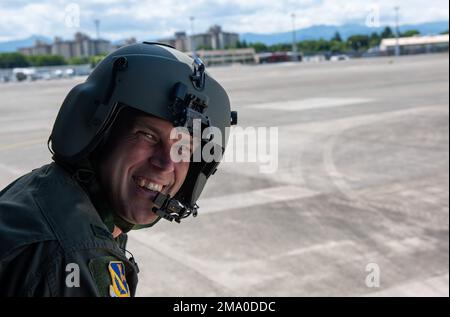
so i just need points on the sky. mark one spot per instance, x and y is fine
(156, 19)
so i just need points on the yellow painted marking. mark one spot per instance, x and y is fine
(22, 144)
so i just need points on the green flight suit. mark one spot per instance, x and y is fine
(49, 232)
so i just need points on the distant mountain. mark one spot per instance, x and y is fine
(12, 46)
(327, 32)
(311, 33)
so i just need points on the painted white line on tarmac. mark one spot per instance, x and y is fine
(21, 127)
(319, 247)
(310, 103)
(333, 126)
(253, 198)
(11, 170)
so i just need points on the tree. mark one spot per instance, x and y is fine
(337, 37)
(410, 33)
(46, 60)
(242, 44)
(323, 45)
(309, 46)
(78, 60)
(358, 42)
(282, 47)
(337, 47)
(387, 33)
(94, 60)
(374, 40)
(12, 60)
(204, 47)
(259, 47)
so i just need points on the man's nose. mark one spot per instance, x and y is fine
(161, 159)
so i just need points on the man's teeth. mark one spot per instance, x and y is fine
(150, 185)
(154, 187)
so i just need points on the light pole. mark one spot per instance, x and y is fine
(294, 40)
(97, 28)
(397, 33)
(191, 38)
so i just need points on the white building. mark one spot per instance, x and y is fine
(225, 57)
(81, 46)
(214, 39)
(416, 44)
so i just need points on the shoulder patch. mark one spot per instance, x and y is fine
(109, 276)
(119, 286)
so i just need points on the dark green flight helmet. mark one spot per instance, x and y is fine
(160, 81)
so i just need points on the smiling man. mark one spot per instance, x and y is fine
(135, 164)
(118, 166)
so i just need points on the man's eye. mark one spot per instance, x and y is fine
(149, 136)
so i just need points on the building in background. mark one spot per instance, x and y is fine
(415, 44)
(214, 39)
(81, 46)
(222, 40)
(63, 48)
(119, 44)
(226, 57)
(39, 48)
(180, 41)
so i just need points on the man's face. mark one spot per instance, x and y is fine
(135, 163)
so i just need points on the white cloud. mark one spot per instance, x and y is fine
(150, 19)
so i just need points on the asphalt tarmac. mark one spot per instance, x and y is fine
(353, 189)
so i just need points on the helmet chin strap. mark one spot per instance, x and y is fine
(171, 209)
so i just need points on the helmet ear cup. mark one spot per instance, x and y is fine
(85, 115)
(72, 129)
(81, 125)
